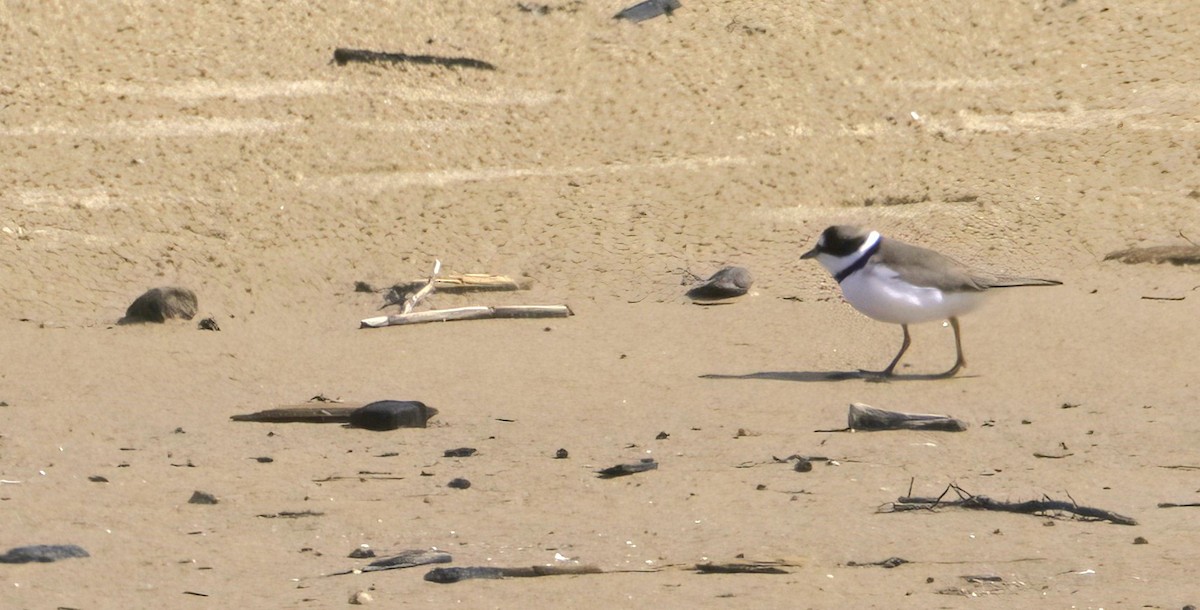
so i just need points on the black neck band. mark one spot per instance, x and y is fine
(859, 263)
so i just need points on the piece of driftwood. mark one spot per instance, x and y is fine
(866, 417)
(621, 470)
(423, 291)
(648, 10)
(742, 567)
(468, 313)
(304, 414)
(457, 284)
(380, 416)
(1176, 255)
(1045, 506)
(345, 56)
(406, 559)
(451, 575)
(889, 563)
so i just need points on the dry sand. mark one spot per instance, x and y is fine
(213, 145)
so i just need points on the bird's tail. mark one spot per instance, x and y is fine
(1013, 282)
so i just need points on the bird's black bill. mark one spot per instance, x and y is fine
(810, 254)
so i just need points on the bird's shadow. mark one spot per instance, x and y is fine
(811, 376)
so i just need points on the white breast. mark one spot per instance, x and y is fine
(878, 292)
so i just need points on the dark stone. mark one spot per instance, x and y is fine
(42, 553)
(460, 452)
(361, 553)
(161, 304)
(202, 497)
(726, 283)
(208, 324)
(648, 10)
(561, 454)
(458, 484)
(392, 414)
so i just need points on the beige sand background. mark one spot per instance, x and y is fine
(213, 145)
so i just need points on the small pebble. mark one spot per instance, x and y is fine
(97, 479)
(362, 552)
(202, 497)
(803, 465)
(360, 598)
(561, 454)
(459, 484)
(460, 452)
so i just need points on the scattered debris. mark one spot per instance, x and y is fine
(621, 470)
(161, 304)
(727, 283)
(344, 56)
(648, 10)
(42, 553)
(1029, 507)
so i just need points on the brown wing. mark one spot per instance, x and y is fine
(924, 267)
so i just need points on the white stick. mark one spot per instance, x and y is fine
(469, 313)
(411, 301)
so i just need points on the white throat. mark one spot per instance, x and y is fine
(835, 264)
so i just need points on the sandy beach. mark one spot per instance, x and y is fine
(217, 146)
